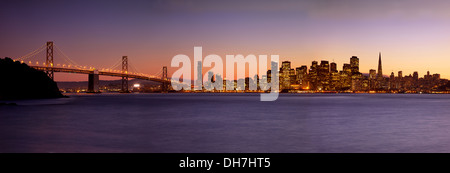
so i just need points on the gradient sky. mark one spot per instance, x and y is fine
(412, 35)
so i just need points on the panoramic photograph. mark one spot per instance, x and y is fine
(207, 76)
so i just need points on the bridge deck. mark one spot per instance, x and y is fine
(104, 73)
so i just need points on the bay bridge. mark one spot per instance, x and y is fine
(122, 68)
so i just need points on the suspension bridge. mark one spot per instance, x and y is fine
(122, 68)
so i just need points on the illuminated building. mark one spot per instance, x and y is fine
(380, 68)
(334, 77)
(335, 80)
(392, 81)
(345, 77)
(217, 83)
(399, 80)
(292, 77)
(416, 76)
(326, 77)
(313, 75)
(256, 83)
(354, 64)
(416, 80)
(347, 69)
(209, 80)
(372, 79)
(436, 76)
(248, 80)
(356, 82)
(269, 76)
(302, 77)
(224, 88)
(381, 82)
(323, 76)
(199, 80)
(333, 67)
(285, 75)
(372, 74)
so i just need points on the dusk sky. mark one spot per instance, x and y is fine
(412, 35)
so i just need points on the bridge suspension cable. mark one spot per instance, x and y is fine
(32, 54)
(65, 57)
(117, 64)
(132, 67)
(159, 73)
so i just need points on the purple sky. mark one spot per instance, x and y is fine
(412, 35)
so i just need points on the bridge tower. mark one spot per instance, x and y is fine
(165, 85)
(49, 60)
(125, 71)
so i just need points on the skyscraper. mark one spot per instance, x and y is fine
(416, 75)
(347, 69)
(208, 83)
(292, 76)
(354, 64)
(345, 77)
(372, 74)
(199, 81)
(334, 76)
(380, 78)
(333, 67)
(285, 75)
(324, 67)
(269, 76)
(372, 78)
(392, 81)
(313, 75)
(323, 76)
(210, 76)
(286, 65)
(302, 76)
(380, 69)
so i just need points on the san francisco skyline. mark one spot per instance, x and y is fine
(412, 35)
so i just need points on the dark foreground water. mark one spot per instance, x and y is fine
(228, 123)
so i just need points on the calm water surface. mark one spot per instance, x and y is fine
(228, 123)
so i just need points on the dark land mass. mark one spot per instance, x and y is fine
(19, 81)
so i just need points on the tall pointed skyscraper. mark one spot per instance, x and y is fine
(380, 69)
(380, 79)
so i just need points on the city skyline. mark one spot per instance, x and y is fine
(327, 77)
(411, 34)
(353, 65)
